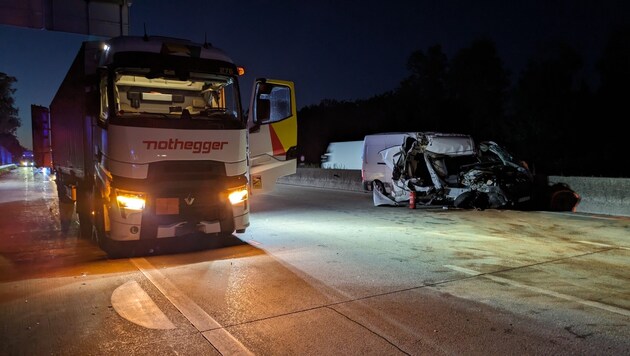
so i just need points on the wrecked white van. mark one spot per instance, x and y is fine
(449, 169)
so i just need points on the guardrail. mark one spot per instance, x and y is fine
(607, 196)
(7, 168)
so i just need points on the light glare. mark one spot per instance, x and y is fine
(238, 196)
(130, 202)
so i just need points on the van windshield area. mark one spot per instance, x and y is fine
(199, 96)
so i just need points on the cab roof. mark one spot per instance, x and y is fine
(163, 45)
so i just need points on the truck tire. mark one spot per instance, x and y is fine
(99, 236)
(98, 220)
(113, 250)
(84, 210)
(61, 189)
(85, 226)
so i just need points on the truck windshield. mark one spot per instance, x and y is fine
(200, 96)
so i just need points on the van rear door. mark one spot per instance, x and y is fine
(374, 170)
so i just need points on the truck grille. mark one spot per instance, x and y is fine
(188, 192)
(185, 170)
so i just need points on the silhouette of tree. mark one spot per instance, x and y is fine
(11, 143)
(545, 124)
(611, 99)
(614, 68)
(478, 85)
(423, 95)
(9, 121)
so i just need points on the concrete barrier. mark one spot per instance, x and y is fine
(7, 168)
(608, 196)
(343, 179)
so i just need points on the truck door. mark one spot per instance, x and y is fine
(272, 126)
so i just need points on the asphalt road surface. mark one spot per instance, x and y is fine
(319, 272)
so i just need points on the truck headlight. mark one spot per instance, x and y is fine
(130, 200)
(238, 195)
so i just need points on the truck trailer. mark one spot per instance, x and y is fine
(40, 123)
(150, 141)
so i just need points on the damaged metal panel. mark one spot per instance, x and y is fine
(448, 144)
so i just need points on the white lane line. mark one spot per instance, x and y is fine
(229, 345)
(134, 304)
(226, 344)
(603, 245)
(602, 306)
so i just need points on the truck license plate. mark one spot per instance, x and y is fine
(166, 206)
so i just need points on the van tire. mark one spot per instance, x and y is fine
(378, 186)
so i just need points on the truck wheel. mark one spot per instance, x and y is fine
(84, 210)
(61, 191)
(98, 223)
(85, 225)
(113, 250)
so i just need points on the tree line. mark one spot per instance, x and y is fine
(9, 119)
(553, 116)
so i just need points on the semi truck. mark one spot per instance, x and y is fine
(151, 143)
(40, 123)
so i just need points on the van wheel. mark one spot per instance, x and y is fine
(378, 186)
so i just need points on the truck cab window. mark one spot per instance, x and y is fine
(273, 103)
(200, 96)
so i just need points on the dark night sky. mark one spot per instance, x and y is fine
(343, 50)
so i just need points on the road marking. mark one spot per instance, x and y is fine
(603, 245)
(602, 306)
(229, 344)
(220, 338)
(134, 304)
